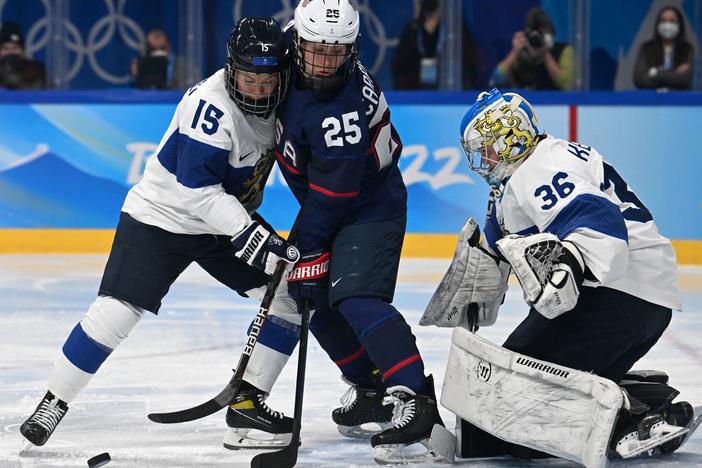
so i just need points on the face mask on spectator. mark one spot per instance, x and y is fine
(668, 29)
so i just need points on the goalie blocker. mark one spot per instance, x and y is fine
(475, 277)
(549, 408)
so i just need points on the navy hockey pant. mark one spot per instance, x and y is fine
(606, 333)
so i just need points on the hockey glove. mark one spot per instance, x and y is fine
(549, 270)
(262, 248)
(474, 277)
(310, 279)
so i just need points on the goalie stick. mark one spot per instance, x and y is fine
(287, 456)
(226, 396)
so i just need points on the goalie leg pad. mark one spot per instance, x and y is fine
(525, 401)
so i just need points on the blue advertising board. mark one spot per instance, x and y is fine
(70, 164)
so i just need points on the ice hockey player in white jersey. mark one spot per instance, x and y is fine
(195, 203)
(600, 279)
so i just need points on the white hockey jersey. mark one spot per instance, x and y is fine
(567, 189)
(208, 173)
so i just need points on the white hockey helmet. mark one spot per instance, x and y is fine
(498, 132)
(326, 42)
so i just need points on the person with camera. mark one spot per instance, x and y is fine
(17, 71)
(158, 68)
(536, 60)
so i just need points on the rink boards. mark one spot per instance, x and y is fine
(68, 159)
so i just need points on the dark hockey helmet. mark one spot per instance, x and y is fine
(325, 39)
(257, 67)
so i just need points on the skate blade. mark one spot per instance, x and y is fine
(238, 439)
(398, 454)
(692, 426)
(363, 431)
(633, 447)
(442, 442)
(26, 447)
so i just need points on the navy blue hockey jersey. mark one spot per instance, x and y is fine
(339, 156)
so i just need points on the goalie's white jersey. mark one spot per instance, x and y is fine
(207, 175)
(569, 190)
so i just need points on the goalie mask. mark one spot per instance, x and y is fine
(497, 133)
(326, 47)
(256, 72)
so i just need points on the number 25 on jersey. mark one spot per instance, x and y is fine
(351, 131)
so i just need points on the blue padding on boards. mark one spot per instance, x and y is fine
(84, 352)
(462, 98)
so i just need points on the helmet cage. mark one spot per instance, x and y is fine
(324, 70)
(486, 165)
(256, 102)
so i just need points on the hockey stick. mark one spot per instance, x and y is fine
(226, 396)
(287, 457)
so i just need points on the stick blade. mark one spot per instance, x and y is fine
(186, 415)
(205, 409)
(284, 458)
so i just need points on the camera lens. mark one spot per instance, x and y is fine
(535, 39)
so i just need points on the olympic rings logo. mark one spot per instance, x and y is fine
(115, 22)
(100, 36)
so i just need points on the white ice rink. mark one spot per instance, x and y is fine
(184, 356)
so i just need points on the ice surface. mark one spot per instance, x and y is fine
(184, 356)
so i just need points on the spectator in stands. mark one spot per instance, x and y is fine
(17, 71)
(158, 68)
(536, 60)
(417, 58)
(665, 62)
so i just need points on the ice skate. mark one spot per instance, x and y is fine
(408, 440)
(41, 424)
(682, 414)
(660, 433)
(253, 425)
(363, 413)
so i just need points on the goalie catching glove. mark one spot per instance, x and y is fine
(474, 277)
(263, 249)
(549, 270)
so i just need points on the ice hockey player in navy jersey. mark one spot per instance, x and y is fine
(338, 152)
(600, 279)
(196, 202)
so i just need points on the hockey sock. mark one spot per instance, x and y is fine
(276, 341)
(278, 334)
(388, 341)
(91, 341)
(338, 339)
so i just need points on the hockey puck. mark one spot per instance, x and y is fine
(99, 460)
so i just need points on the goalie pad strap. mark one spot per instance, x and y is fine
(529, 402)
